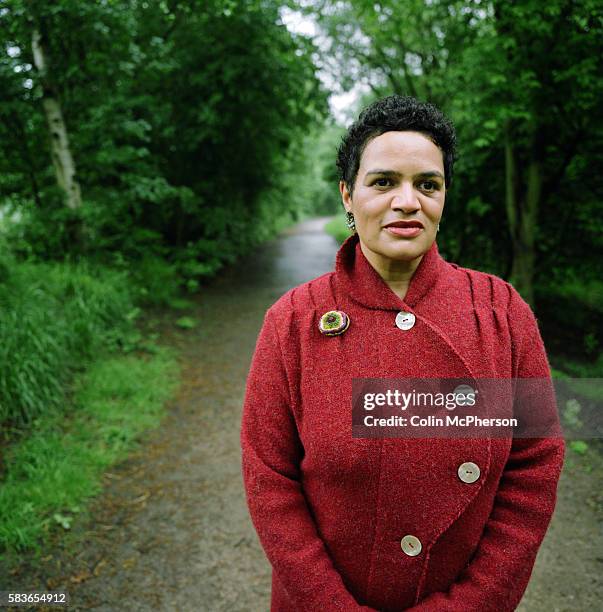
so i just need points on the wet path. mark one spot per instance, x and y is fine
(171, 529)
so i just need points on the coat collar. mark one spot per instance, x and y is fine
(357, 279)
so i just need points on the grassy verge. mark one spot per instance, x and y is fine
(337, 228)
(53, 471)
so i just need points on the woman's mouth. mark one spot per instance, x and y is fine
(404, 232)
(405, 229)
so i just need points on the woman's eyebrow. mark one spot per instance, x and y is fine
(427, 174)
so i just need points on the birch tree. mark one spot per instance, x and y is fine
(62, 158)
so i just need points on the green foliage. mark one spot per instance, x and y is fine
(578, 367)
(58, 466)
(337, 228)
(157, 279)
(198, 176)
(310, 183)
(588, 292)
(186, 323)
(54, 318)
(578, 446)
(527, 71)
(579, 338)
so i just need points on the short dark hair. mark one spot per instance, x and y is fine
(395, 113)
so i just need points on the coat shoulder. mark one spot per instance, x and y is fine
(486, 290)
(309, 296)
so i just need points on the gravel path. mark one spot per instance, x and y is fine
(171, 529)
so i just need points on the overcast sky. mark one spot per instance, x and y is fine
(342, 105)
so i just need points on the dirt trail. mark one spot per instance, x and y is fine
(171, 529)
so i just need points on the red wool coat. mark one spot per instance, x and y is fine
(331, 510)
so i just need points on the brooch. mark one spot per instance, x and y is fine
(333, 323)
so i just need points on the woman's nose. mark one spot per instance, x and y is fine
(405, 199)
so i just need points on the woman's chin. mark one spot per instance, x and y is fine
(400, 249)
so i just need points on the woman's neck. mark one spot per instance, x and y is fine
(396, 273)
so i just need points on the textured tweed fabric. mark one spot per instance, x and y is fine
(331, 510)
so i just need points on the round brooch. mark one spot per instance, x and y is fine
(333, 323)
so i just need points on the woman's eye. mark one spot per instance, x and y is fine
(428, 186)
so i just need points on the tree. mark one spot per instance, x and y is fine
(550, 86)
(184, 116)
(522, 82)
(62, 158)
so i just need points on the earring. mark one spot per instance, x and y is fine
(350, 221)
(438, 228)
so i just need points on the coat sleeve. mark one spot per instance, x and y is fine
(497, 576)
(271, 455)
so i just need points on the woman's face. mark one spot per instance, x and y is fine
(400, 179)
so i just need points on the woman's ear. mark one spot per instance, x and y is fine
(346, 198)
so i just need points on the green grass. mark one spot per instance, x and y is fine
(78, 385)
(54, 319)
(53, 471)
(337, 228)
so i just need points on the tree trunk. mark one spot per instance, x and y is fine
(522, 272)
(522, 215)
(62, 159)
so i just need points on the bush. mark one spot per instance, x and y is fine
(158, 280)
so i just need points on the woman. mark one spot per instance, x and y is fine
(393, 524)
